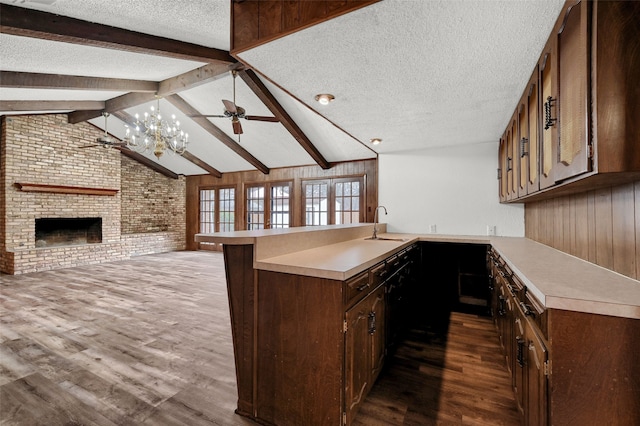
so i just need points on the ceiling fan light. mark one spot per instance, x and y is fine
(376, 141)
(324, 98)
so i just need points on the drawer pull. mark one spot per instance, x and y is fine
(363, 286)
(526, 309)
(520, 351)
(501, 310)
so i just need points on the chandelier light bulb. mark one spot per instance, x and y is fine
(156, 134)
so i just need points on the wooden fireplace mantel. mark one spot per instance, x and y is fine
(61, 189)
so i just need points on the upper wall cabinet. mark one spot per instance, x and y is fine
(576, 125)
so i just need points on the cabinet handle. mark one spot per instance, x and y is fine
(520, 351)
(363, 286)
(526, 309)
(499, 173)
(509, 164)
(372, 322)
(548, 121)
(501, 310)
(523, 147)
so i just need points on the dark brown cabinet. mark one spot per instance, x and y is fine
(574, 128)
(364, 349)
(317, 345)
(567, 367)
(517, 322)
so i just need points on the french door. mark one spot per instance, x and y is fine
(217, 212)
(268, 206)
(333, 201)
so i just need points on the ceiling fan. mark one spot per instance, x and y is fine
(236, 112)
(105, 140)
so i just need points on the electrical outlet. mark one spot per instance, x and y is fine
(491, 230)
(432, 229)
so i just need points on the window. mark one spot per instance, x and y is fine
(347, 202)
(268, 206)
(227, 209)
(217, 210)
(334, 201)
(207, 211)
(316, 203)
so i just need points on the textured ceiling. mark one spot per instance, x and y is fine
(415, 73)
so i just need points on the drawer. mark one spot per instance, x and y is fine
(357, 287)
(378, 274)
(536, 313)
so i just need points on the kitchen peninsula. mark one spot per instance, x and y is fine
(309, 307)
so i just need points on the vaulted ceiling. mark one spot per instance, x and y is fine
(417, 74)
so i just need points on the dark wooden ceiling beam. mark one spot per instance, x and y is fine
(51, 105)
(166, 87)
(147, 162)
(27, 80)
(194, 78)
(257, 86)
(187, 109)
(130, 121)
(36, 24)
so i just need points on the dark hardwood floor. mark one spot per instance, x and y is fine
(147, 342)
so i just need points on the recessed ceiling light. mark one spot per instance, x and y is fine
(324, 98)
(376, 141)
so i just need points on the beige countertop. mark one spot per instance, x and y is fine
(558, 280)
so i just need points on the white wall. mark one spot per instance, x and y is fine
(454, 188)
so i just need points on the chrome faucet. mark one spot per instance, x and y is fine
(375, 222)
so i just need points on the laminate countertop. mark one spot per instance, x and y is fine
(558, 280)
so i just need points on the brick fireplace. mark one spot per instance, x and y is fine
(67, 231)
(81, 197)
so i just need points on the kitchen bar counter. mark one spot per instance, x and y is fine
(558, 280)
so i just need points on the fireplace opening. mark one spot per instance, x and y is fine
(52, 232)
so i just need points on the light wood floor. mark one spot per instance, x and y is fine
(147, 342)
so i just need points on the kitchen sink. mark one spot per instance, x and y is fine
(385, 239)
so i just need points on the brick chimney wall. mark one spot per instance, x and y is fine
(46, 149)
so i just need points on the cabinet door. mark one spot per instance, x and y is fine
(548, 67)
(377, 333)
(512, 155)
(573, 92)
(502, 169)
(531, 148)
(519, 357)
(364, 339)
(522, 141)
(537, 396)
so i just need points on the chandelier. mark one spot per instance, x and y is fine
(154, 134)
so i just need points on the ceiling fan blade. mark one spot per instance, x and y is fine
(206, 115)
(261, 118)
(230, 106)
(237, 127)
(89, 146)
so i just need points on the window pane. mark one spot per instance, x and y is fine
(255, 207)
(280, 202)
(347, 205)
(227, 209)
(316, 204)
(207, 210)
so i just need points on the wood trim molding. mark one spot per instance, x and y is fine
(62, 189)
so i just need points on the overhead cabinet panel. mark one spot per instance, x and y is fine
(573, 97)
(576, 127)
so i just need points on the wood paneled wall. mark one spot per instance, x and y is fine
(365, 168)
(601, 226)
